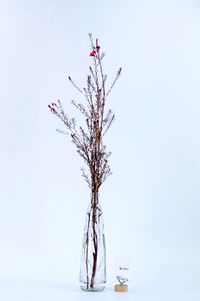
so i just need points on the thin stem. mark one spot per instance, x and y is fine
(87, 249)
(95, 241)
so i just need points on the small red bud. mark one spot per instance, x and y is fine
(93, 53)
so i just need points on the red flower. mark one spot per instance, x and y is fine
(93, 53)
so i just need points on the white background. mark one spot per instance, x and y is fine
(151, 202)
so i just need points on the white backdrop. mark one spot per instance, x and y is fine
(151, 202)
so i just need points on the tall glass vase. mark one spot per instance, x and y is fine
(93, 253)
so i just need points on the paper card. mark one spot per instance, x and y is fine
(123, 269)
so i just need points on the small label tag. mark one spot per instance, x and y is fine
(122, 269)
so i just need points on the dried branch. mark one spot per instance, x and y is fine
(114, 81)
(73, 83)
(89, 142)
(81, 108)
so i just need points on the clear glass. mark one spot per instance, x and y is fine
(93, 253)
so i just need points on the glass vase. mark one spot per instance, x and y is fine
(93, 253)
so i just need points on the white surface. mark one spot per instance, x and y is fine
(70, 292)
(151, 203)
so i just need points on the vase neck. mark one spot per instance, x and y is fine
(94, 198)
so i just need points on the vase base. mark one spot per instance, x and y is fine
(97, 288)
